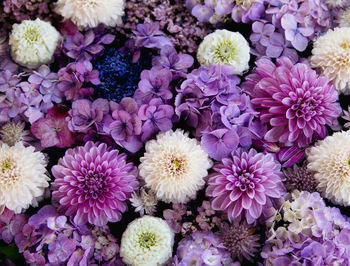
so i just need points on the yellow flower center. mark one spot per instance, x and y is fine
(225, 51)
(6, 165)
(147, 240)
(32, 34)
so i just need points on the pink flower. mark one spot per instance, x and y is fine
(244, 183)
(92, 184)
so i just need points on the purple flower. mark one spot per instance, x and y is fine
(61, 249)
(156, 116)
(84, 114)
(244, 183)
(34, 258)
(202, 248)
(154, 83)
(53, 129)
(202, 12)
(125, 125)
(219, 143)
(46, 83)
(262, 32)
(170, 59)
(72, 77)
(148, 35)
(296, 35)
(86, 47)
(294, 100)
(92, 184)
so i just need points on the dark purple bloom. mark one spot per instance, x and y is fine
(154, 83)
(84, 114)
(34, 258)
(125, 125)
(155, 116)
(86, 47)
(72, 77)
(53, 129)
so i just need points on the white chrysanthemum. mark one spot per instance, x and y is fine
(330, 161)
(33, 42)
(147, 241)
(331, 55)
(23, 177)
(224, 47)
(174, 166)
(90, 13)
(344, 18)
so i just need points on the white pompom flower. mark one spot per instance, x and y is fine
(331, 56)
(23, 177)
(224, 47)
(329, 159)
(147, 241)
(90, 13)
(33, 43)
(174, 166)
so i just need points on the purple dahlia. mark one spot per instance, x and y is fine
(245, 183)
(296, 103)
(92, 183)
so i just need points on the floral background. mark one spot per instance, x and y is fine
(174, 132)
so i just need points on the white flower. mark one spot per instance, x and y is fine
(33, 42)
(174, 166)
(147, 241)
(90, 13)
(344, 18)
(330, 161)
(23, 177)
(224, 47)
(331, 55)
(144, 202)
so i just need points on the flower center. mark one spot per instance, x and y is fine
(32, 35)
(94, 183)
(9, 172)
(225, 51)
(147, 240)
(244, 180)
(177, 164)
(345, 45)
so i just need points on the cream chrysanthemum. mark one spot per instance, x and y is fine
(90, 13)
(147, 241)
(174, 166)
(331, 55)
(336, 3)
(23, 177)
(329, 159)
(224, 47)
(33, 42)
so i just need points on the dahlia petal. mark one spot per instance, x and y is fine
(246, 201)
(255, 210)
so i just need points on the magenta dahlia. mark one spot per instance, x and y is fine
(92, 184)
(293, 100)
(245, 183)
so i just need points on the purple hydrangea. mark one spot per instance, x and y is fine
(202, 248)
(306, 232)
(156, 116)
(125, 125)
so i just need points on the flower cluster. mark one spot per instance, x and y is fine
(305, 231)
(170, 132)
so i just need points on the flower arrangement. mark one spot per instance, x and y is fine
(174, 132)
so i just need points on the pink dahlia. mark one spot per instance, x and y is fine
(293, 100)
(245, 183)
(92, 184)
